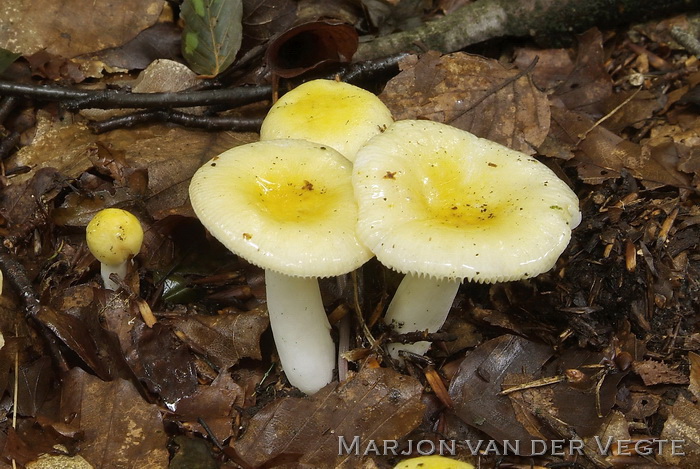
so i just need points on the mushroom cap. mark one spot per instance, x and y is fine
(433, 462)
(436, 200)
(113, 236)
(284, 205)
(333, 113)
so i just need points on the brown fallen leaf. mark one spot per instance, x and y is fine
(376, 404)
(682, 426)
(214, 404)
(120, 428)
(225, 338)
(694, 385)
(653, 372)
(170, 154)
(589, 83)
(68, 27)
(473, 93)
(601, 155)
(476, 386)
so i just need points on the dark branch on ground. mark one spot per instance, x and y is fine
(234, 123)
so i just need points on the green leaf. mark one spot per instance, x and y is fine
(212, 34)
(6, 58)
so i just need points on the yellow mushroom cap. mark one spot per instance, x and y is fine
(433, 462)
(114, 235)
(284, 205)
(436, 200)
(337, 114)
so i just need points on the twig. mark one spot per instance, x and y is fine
(607, 116)
(241, 124)
(358, 312)
(487, 19)
(8, 144)
(359, 71)
(17, 276)
(6, 105)
(422, 336)
(686, 39)
(116, 99)
(14, 271)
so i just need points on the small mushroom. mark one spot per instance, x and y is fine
(114, 236)
(333, 113)
(433, 462)
(442, 205)
(288, 207)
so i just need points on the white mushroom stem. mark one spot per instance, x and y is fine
(420, 304)
(301, 330)
(106, 270)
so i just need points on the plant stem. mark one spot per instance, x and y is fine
(420, 303)
(301, 330)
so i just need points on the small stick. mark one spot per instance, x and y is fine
(115, 99)
(241, 124)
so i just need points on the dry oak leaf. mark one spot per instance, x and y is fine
(72, 27)
(376, 404)
(473, 93)
(120, 429)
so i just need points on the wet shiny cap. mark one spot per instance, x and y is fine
(284, 205)
(438, 201)
(337, 114)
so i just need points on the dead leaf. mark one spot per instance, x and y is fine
(683, 427)
(120, 429)
(34, 384)
(225, 338)
(160, 41)
(474, 389)
(653, 372)
(631, 109)
(694, 386)
(473, 93)
(263, 19)
(602, 155)
(553, 65)
(171, 155)
(167, 364)
(311, 45)
(214, 404)
(68, 28)
(589, 83)
(376, 404)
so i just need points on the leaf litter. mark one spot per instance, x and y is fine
(602, 347)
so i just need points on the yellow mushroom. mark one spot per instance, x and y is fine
(288, 207)
(433, 462)
(114, 236)
(441, 205)
(333, 113)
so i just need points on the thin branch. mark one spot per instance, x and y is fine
(118, 99)
(487, 19)
(240, 124)
(7, 103)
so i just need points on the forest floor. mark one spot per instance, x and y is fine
(178, 367)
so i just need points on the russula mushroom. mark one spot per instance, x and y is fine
(433, 462)
(114, 236)
(288, 207)
(333, 113)
(441, 205)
